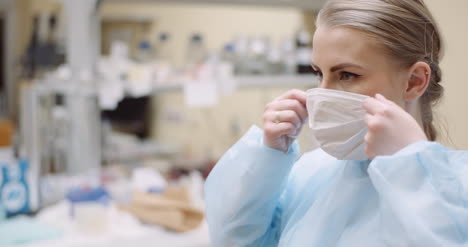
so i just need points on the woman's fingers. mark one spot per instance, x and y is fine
(373, 106)
(294, 94)
(284, 116)
(280, 129)
(289, 104)
(374, 122)
(384, 100)
(283, 119)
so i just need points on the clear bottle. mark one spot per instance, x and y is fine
(256, 58)
(274, 63)
(164, 59)
(144, 53)
(288, 55)
(162, 51)
(196, 50)
(228, 54)
(304, 52)
(240, 51)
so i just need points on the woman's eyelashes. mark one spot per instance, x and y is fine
(348, 76)
(343, 76)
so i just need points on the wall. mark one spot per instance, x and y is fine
(453, 18)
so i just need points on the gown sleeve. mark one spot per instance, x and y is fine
(423, 192)
(243, 192)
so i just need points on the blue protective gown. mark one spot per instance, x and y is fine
(258, 196)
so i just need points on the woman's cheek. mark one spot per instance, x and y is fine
(361, 87)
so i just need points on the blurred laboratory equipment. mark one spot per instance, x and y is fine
(259, 55)
(89, 208)
(196, 50)
(60, 128)
(304, 52)
(124, 78)
(275, 65)
(288, 54)
(145, 52)
(228, 54)
(162, 52)
(45, 49)
(60, 125)
(256, 60)
(164, 61)
(240, 44)
(60, 122)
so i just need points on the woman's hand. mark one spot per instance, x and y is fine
(390, 128)
(283, 119)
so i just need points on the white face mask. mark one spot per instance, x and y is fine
(337, 120)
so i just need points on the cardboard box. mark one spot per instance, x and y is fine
(6, 133)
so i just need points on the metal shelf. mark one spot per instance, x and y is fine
(270, 81)
(302, 4)
(277, 81)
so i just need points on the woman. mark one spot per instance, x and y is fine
(379, 179)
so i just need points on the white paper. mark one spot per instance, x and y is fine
(145, 178)
(225, 77)
(140, 80)
(110, 94)
(201, 93)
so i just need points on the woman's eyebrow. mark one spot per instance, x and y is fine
(344, 65)
(338, 67)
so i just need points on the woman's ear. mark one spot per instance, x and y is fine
(418, 81)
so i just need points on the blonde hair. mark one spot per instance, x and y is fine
(405, 28)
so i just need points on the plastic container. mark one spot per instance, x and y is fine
(89, 208)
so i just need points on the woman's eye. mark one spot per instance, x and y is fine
(347, 76)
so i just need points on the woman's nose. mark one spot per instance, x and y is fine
(326, 84)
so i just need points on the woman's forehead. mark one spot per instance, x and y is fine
(339, 44)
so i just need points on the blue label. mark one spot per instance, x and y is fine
(14, 189)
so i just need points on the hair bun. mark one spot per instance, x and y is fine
(436, 72)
